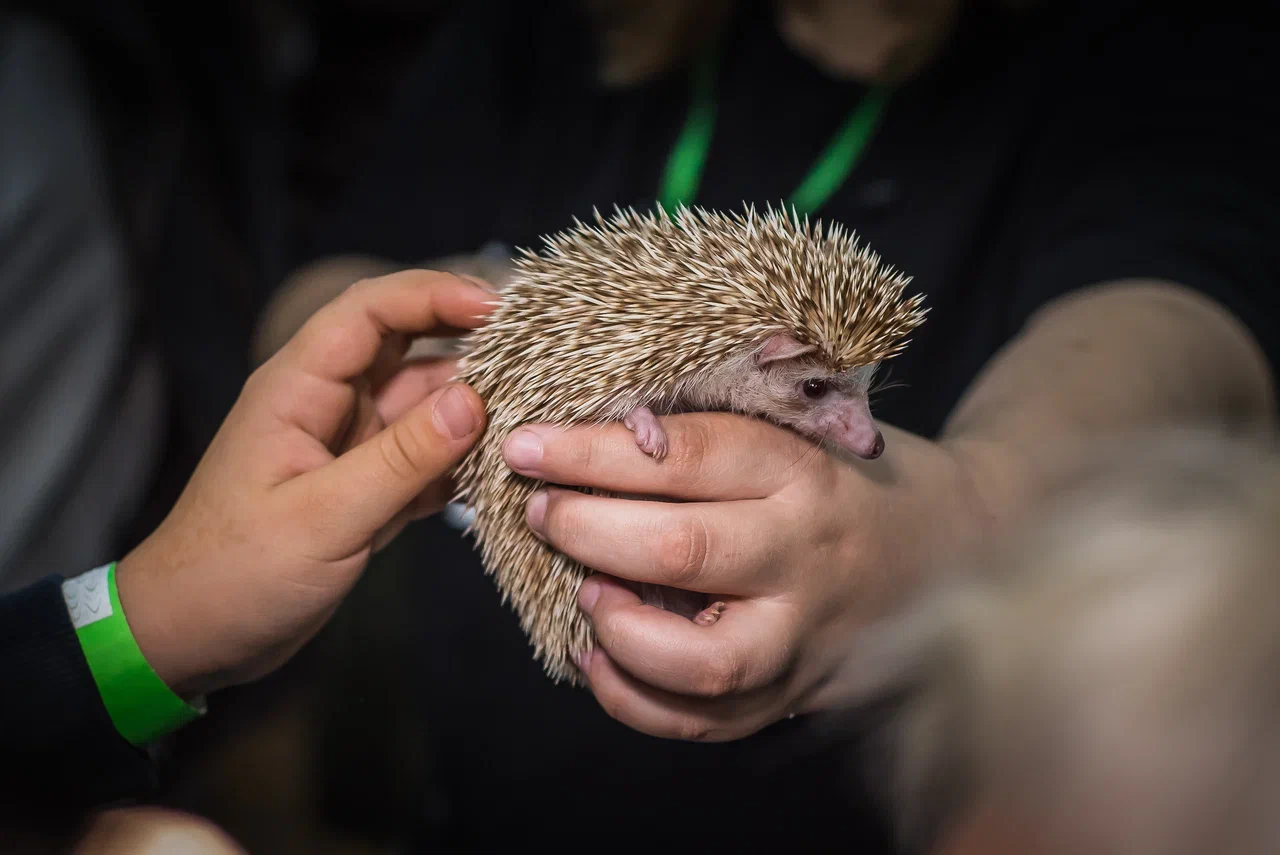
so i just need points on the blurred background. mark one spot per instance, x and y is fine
(182, 184)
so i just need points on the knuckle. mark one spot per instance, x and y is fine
(588, 453)
(725, 674)
(323, 335)
(362, 285)
(606, 628)
(402, 449)
(257, 379)
(298, 459)
(683, 549)
(561, 520)
(690, 445)
(612, 627)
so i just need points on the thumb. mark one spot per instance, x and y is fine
(368, 485)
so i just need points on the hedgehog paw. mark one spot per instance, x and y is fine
(650, 437)
(709, 615)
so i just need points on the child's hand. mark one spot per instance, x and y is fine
(335, 444)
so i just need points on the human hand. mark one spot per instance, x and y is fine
(803, 547)
(336, 443)
(314, 284)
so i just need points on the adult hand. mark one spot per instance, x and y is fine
(336, 443)
(803, 547)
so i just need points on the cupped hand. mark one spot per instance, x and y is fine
(335, 444)
(803, 547)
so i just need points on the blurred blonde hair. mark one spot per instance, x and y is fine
(1112, 676)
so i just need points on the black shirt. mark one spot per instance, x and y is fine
(1042, 153)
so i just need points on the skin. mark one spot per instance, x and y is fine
(872, 41)
(784, 383)
(641, 39)
(807, 548)
(882, 42)
(334, 445)
(313, 285)
(781, 382)
(987, 831)
(154, 831)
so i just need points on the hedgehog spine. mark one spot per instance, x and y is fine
(636, 311)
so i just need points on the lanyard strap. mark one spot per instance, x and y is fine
(688, 158)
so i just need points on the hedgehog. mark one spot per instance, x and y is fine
(643, 315)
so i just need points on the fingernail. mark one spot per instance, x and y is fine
(536, 512)
(523, 449)
(453, 414)
(588, 593)
(580, 658)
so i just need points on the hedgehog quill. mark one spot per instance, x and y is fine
(640, 316)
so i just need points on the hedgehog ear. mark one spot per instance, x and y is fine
(781, 346)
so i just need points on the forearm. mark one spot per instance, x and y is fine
(1116, 358)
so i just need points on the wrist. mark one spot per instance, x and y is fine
(141, 706)
(160, 625)
(954, 515)
(1009, 477)
(933, 513)
(947, 506)
(991, 475)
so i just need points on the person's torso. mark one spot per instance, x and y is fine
(514, 148)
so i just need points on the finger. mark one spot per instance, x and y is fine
(729, 548)
(387, 362)
(411, 384)
(668, 716)
(743, 652)
(350, 499)
(274, 399)
(710, 456)
(306, 385)
(344, 338)
(362, 419)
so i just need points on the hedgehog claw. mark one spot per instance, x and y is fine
(650, 437)
(709, 615)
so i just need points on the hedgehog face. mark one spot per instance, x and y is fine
(787, 382)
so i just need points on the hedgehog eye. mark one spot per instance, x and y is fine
(815, 387)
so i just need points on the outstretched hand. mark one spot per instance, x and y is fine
(335, 444)
(804, 549)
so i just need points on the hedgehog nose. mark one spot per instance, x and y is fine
(868, 448)
(877, 447)
(860, 436)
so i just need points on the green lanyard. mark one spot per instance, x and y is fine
(684, 167)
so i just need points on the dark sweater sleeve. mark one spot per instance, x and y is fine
(59, 750)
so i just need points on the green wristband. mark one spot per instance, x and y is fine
(141, 706)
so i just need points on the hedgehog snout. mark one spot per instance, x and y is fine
(850, 426)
